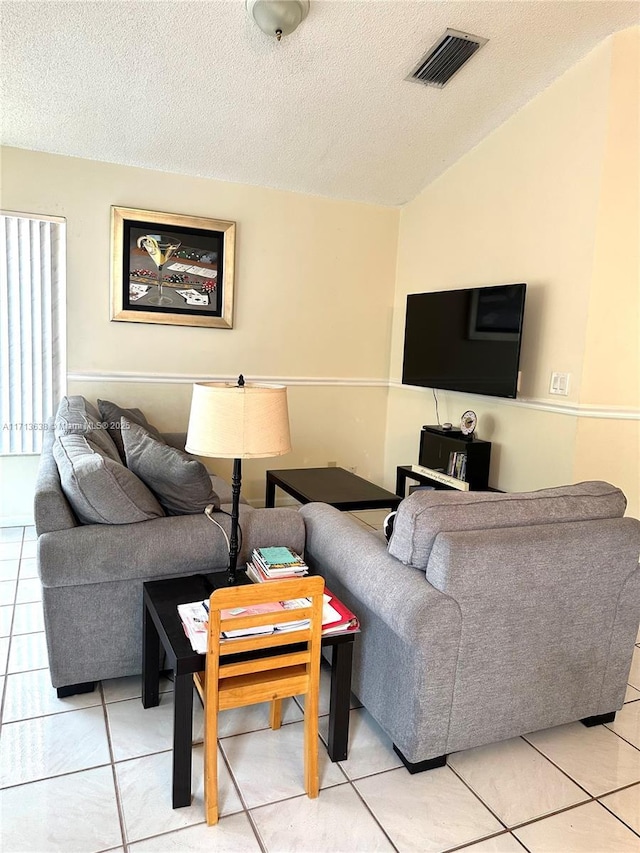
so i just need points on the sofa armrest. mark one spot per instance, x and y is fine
(405, 658)
(400, 595)
(264, 527)
(51, 509)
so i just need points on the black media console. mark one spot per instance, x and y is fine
(448, 459)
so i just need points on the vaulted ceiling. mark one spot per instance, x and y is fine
(196, 88)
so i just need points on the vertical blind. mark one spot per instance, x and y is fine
(32, 328)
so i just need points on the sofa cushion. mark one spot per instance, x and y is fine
(112, 414)
(180, 482)
(424, 514)
(101, 490)
(76, 416)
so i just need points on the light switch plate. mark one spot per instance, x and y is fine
(559, 384)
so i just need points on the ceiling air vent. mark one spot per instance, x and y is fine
(446, 58)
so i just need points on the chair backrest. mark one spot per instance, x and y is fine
(239, 608)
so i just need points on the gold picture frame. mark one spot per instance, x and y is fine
(171, 269)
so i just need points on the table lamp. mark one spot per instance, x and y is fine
(243, 421)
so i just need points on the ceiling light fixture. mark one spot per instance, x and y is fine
(277, 17)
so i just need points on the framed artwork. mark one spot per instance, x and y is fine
(171, 269)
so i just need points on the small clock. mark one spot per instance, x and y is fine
(468, 422)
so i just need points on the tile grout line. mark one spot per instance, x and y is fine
(477, 796)
(511, 829)
(623, 822)
(591, 799)
(9, 644)
(235, 784)
(622, 737)
(368, 807)
(245, 809)
(565, 772)
(33, 669)
(568, 809)
(112, 764)
(57, 775)
(248, 810)
(468, 844)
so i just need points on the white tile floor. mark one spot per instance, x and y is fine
(92, 772)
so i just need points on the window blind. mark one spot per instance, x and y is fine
(32, 328)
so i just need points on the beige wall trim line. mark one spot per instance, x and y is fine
(577, 410)
(184, 379)
(580, 410)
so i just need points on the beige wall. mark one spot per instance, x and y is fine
(314, 294)
(549, 198)
(611, 374)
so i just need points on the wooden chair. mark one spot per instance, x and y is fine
(260, 679)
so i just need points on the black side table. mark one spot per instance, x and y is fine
(162, 626)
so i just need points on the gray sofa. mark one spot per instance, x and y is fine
(487, 615)
(92, 573)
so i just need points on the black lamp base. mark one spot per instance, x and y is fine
(236, 481)
(223, 580)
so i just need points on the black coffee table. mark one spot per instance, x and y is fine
(335, 486)
(162, 625)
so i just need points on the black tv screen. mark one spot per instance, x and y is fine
(465, 340)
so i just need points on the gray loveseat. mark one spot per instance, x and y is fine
(488, 615)
(92, 573)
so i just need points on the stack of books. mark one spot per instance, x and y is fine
(195, 620)
(336, 618)
(277, 563)
(457, 466)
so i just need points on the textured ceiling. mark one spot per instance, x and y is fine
(196, 88)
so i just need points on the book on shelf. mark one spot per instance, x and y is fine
(336, 617)
(457, 466)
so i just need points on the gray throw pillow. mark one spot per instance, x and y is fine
(76, 416)
(112, 413)
(180, 482)
(100, 489)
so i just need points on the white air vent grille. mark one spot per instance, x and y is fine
(446, 58)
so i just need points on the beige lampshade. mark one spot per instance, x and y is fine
(238, 422)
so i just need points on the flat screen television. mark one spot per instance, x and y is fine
(465, 340)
